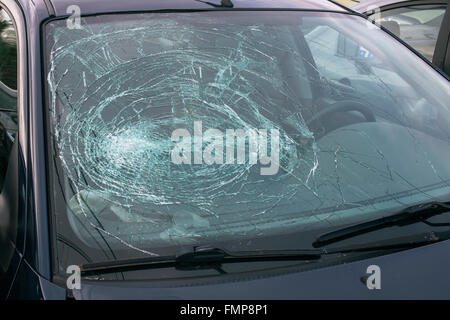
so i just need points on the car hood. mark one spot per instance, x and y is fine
(420, 273)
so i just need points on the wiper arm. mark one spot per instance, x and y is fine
(400, 243)
(223, 3)
(410, 215)
(194, 258)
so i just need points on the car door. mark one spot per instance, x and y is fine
(12, 189)
(419, 23)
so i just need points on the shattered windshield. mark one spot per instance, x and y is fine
(180, 129)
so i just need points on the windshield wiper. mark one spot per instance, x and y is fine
(410, 215)
(194, 258)
(206, 257)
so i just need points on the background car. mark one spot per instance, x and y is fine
(90, 121)
(423, 24)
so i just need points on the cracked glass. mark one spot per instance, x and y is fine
(348, 124)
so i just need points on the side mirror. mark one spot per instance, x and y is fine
(392, 26)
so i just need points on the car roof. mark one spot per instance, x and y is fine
(109, 6)
(367, 5)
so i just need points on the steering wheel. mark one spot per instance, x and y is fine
(338, 107)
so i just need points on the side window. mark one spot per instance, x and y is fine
(8, 91)
(417, 25)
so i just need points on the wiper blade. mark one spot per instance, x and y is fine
(410, 215)
(194, 258)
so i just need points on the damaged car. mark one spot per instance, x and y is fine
(219, 150)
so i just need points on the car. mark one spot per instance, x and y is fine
(423, 24)
(239, 149)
